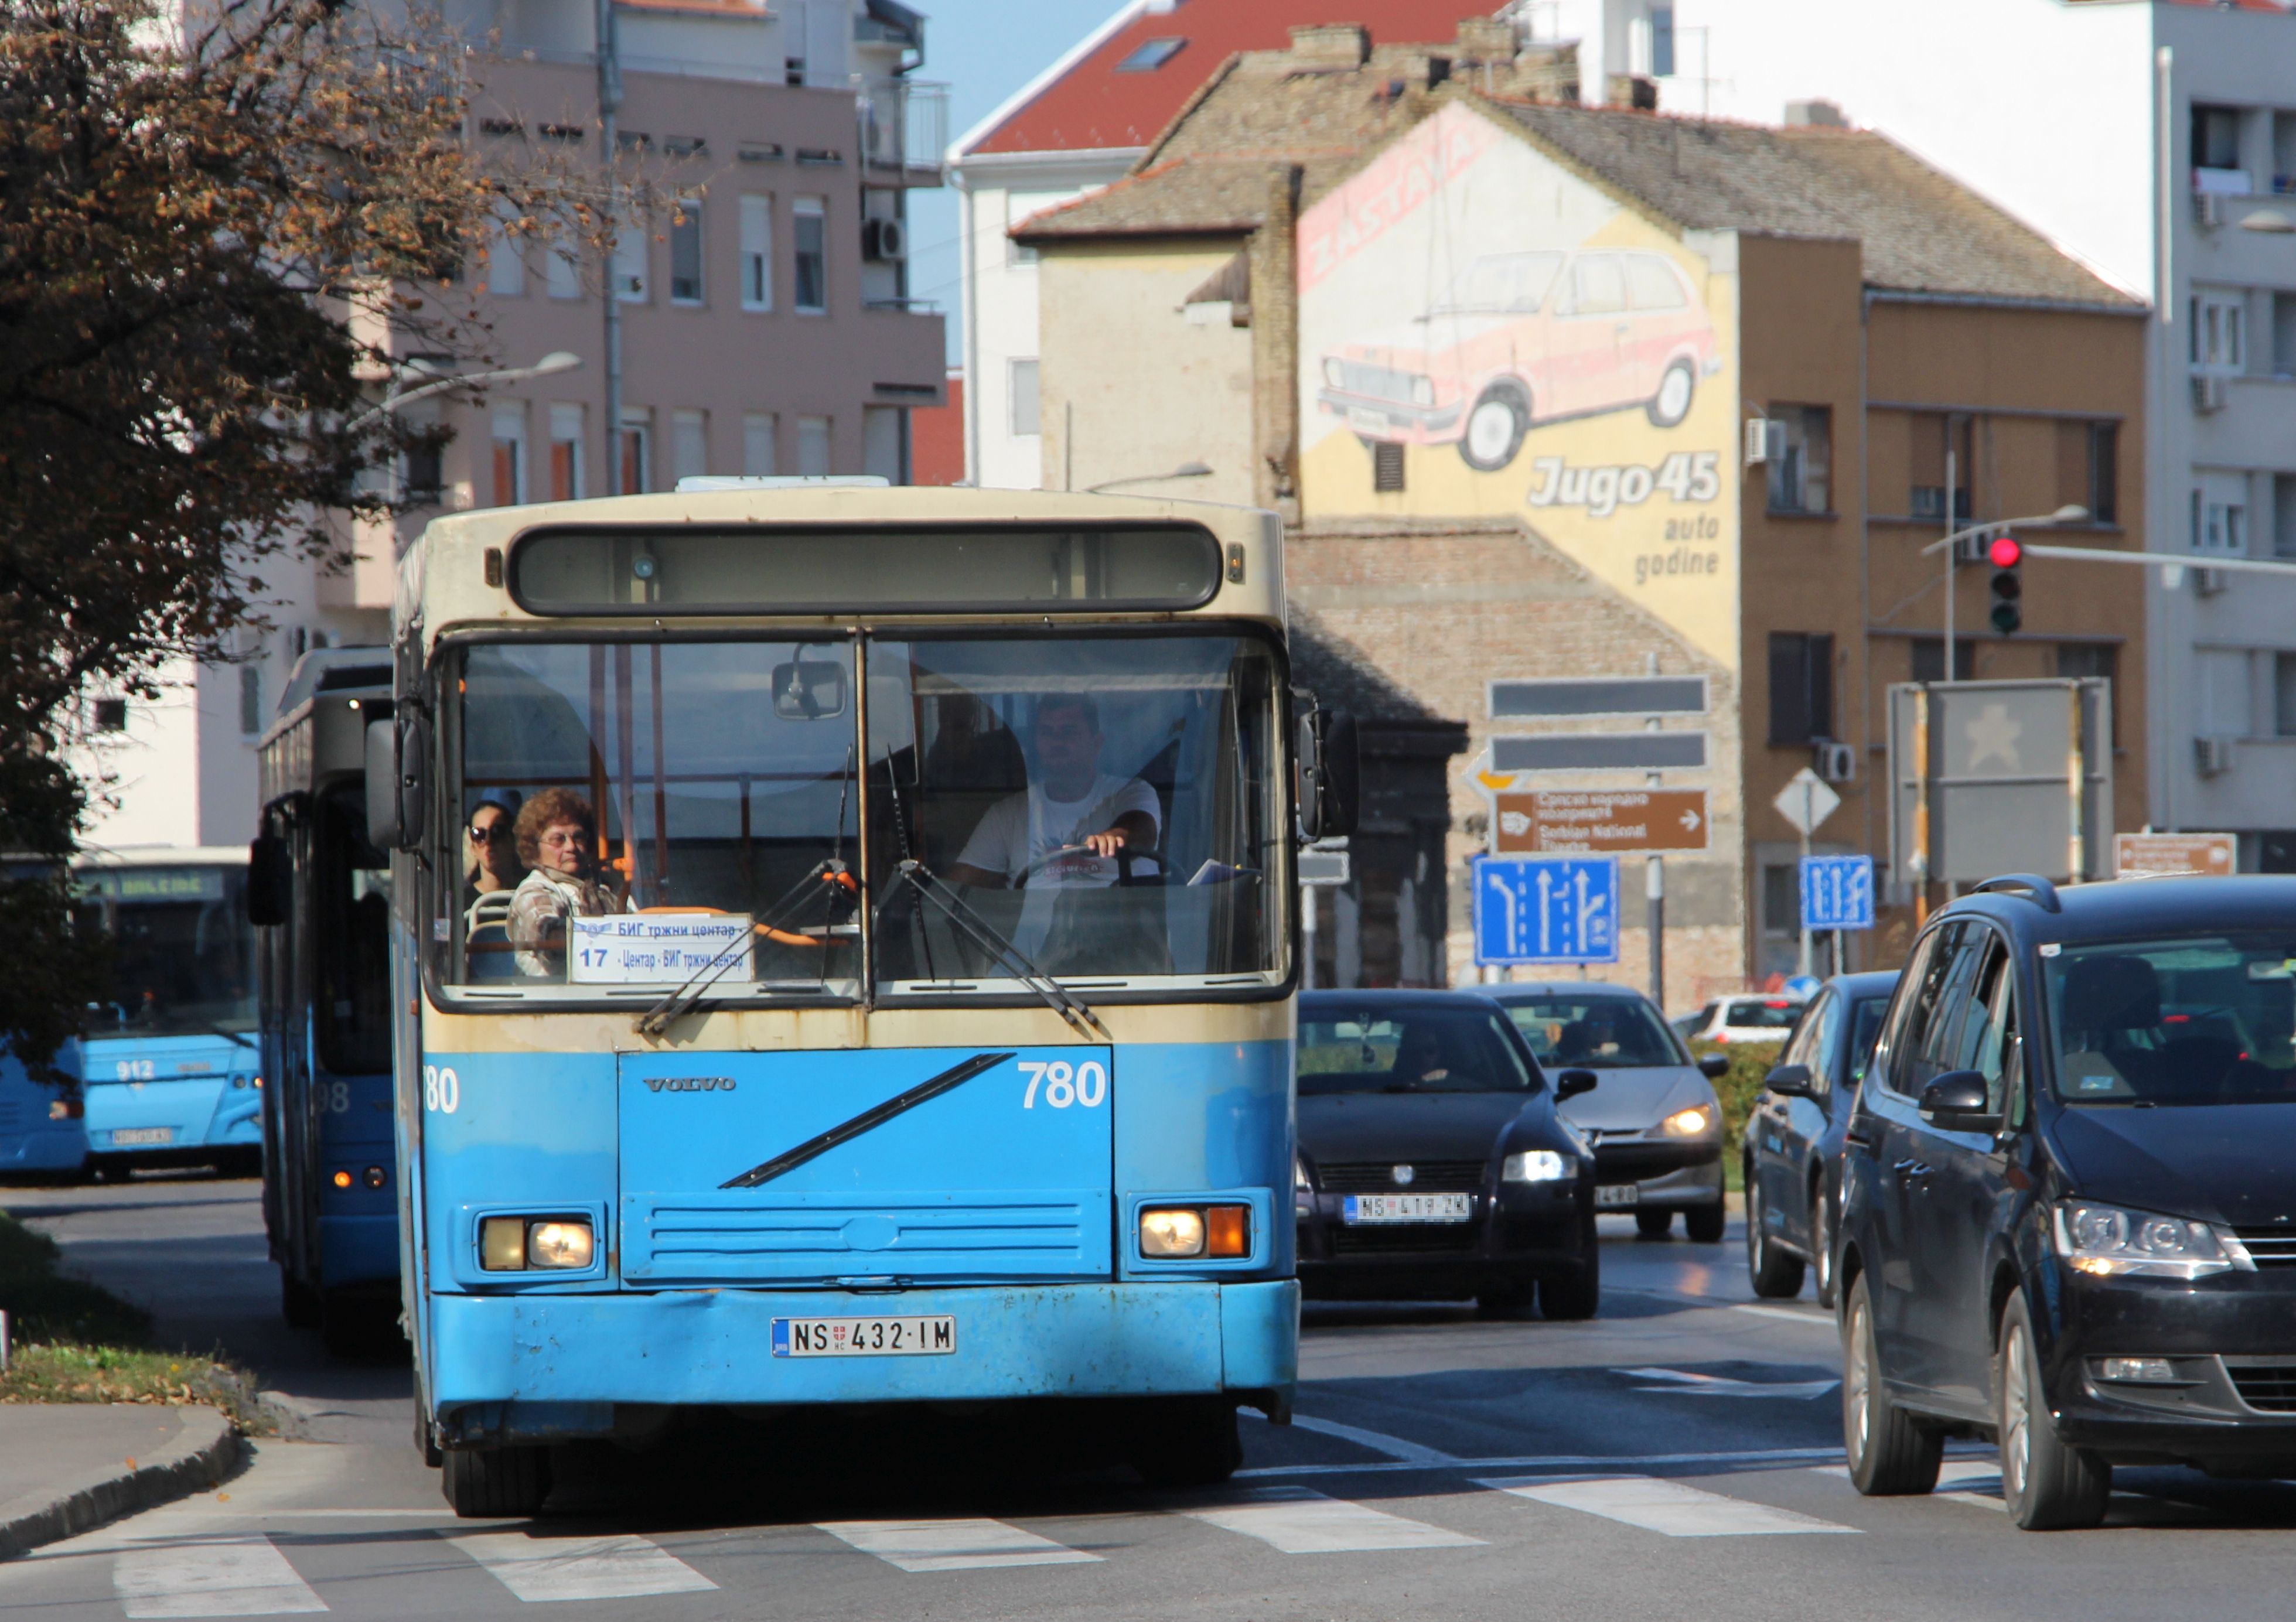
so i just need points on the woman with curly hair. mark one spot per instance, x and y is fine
(557, 837)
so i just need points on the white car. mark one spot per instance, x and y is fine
(1770, 1017)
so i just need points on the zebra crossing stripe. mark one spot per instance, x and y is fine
(952, 1546)
(542, 1569)
(239, 1575)
(1299, 1520)
(1673, 1508)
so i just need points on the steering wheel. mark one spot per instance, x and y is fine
(1126, 856)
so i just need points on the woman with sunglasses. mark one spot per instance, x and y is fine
(490, 860)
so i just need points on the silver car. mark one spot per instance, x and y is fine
(1654, 1122)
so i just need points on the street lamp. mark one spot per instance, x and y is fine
(395, 396)
(2069, 514)
(1186, 470)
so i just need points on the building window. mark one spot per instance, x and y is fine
(1929, 659)
(2283, 694)
(1801, 686)
(813, 448)
(2218, 337)
(1661, 31)
(885, 443)
(2283, 515)
(505, 274)
(425, 473)
(2227, 708)
(250, 699)
(562, 269)
(756, 253)
(510, 455)
(1781, 898)
(758, 444)
(2103, 503)
(2097, 661)
(2283, 318)
(1386, 465)
(636, 452)
(689, 444)
(110, 715)
(1936, 439)
(1027, 403)
(2216, 138)
(685, 253)
(2220, 513)
(629, 264)
(1150, 54)
(1799, 476)
(810, 220)
(566, 453)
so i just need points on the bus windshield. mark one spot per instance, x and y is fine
(183, 949)
(675, 813)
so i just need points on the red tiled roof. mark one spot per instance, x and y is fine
(1093, 105)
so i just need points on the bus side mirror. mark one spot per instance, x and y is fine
(809, 690)
(397, 782)
(270, 881)
(1331, 773)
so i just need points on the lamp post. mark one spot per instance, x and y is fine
(2069, 514)
(395, 396)
(1186, 470)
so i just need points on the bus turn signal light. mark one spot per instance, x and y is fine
(1229, 1230)
(342, 1179)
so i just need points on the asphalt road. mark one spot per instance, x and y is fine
(1676, 1457)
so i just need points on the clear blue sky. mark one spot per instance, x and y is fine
(985, 50)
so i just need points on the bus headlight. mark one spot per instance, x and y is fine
(560, 1244)
(522, 1244)
(1170, 1233)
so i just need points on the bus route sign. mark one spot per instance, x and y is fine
(1552, 910)
(658, 949)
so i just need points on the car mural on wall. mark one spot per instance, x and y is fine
(1526, 338)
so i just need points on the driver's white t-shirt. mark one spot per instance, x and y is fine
(1023, 829)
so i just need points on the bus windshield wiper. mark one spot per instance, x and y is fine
(688, 995)
(930, 887)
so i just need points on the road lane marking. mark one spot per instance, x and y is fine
(1674, 1508)
(230, 1575)
(1682, 1383)
(1298, 1521)
(952, 1546)
(1560, 1460)
(1394, 1447)
(544, 1569)
(1791, 1314)
(1976, 1482)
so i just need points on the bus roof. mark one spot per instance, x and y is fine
(443, 578)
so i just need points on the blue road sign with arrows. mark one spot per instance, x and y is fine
(1837, 892)
(1546, 910)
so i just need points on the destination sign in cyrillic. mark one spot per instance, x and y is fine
(1572, 822)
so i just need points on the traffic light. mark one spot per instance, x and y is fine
(2006, 554)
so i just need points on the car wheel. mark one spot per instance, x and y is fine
(1706, 1224)
(1889, 1453)
(1776, 1276)
(2047, 1485)
(1495, 430)
(1188, 1442)
(1821, 1242)
(497, 1481)
(1573, 1298)
(1671, 402)
(1653, 1224)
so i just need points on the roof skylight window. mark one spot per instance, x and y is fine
(1151, 55)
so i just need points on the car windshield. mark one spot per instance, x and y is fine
(1864, 1028)
(183, 949)
(1502, 283)
(1595, 1033)
(2198, 1020)
(1763, 1014)
(1408, 1050)
(693, 813)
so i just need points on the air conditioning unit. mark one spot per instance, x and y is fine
(1765, 441)
(884, 240)
(2212, 756)
(2208, 209)
(2208, 390)
(2211, 582)
(1833, 762)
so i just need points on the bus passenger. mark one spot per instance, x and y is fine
(557, 837)
(1064, 826)
(491, 864)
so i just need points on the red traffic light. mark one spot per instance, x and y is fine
(2006, 552)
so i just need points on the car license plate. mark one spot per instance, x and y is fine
(1610, 1196)
(926, 1337)
(128, 1135)
(1406, 1208)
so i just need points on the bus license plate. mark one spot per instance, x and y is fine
(1405, 1207)
(928, 1337)
(1611, 1196)
(128, 1135)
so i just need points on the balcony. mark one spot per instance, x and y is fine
(904, 129)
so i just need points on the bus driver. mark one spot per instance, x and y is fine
(557, 837)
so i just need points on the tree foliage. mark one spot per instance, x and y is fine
(213, 236)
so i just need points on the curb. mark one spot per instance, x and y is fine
(199, 1457)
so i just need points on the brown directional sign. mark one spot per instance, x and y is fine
(2158, 854)
(1569, 821)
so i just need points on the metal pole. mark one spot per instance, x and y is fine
(1654, 884)
(1952, 665)
(610, 107)
(1807, 796)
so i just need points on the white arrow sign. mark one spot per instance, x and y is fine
(1806, 801)
(1690, 820)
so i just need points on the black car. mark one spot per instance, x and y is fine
(2069, 1192)
(1655, 1124)
(1432, 1162)
(1792, 1153)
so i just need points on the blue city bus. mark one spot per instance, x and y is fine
(898, 1007)
(169, 1073)
(319, 894)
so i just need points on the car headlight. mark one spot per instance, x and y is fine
(2109, 1240)
(1423, 391)
(521, 1244)
(1537, 1165)
(1688, 1122)
(1334, 373)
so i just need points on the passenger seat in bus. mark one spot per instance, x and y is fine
(487, 937)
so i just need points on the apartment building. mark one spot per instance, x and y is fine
(1078, 125)
(766, 328)
(2155, 141)
(1496, 356)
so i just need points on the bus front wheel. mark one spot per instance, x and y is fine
(496, 1481)
(1186, 1442)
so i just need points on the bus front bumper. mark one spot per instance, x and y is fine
(540, 1367)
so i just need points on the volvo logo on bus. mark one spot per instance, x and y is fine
(1403, 1175)
(689, 1084)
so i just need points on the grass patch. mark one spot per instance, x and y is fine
(77, 1342)
(1738, 1089)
